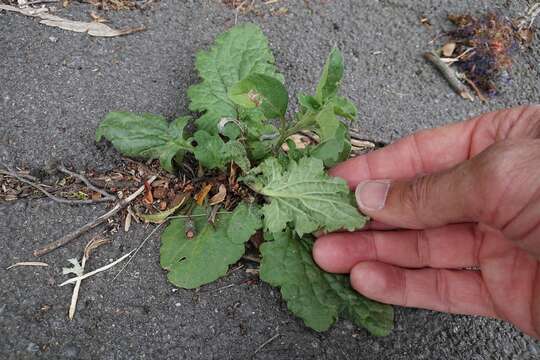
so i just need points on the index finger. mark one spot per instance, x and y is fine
(437, 149)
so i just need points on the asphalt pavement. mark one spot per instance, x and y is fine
(56, 86)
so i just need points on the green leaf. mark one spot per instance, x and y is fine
(204, 258)
(263, 92)
(331, 77)
(213, 153)
(335, 144)
(344, 107)
(315, 296)
(146, 136)
(245, 221)
(237, 53)
(335, 149)
(308, 103)
(306, 197)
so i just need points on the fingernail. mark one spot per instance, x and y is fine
(371, 194)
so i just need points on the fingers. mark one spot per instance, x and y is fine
(438, 149)
(499, 187)
(454, 246)
(460, 292)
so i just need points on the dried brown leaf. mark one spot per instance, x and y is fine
(220, 196)
(201, 195)
(448, 49)
(91, 28)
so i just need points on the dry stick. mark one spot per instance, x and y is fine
(475, 88)
(92, 273)
(87, 182)
(27, 263)
(449, 75)
(266, 343)
(75, 294)
(75, 234)
(37, 2)
(48, 194)
(137, 250)
(92, 245)
(251, 258)
(314, 138)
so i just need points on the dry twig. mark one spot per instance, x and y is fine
(55, 198)
(92, 245)
(27, 263)
(449, 74)
(266, 343)
(75, 234)
(92, 273)
(137, 250)
(106, 195)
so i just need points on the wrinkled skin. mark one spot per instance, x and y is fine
(447, 200)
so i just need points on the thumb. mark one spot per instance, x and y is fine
(423, 202)
(499, 187)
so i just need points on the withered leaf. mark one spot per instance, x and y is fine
(201, 195)
(220, 196)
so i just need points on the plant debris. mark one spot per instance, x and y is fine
(78, 270)
(479, 52)
(27, 263)
(94, 28)
(257, 7)
(116, 5)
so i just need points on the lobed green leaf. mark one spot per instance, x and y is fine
(305, 197)
(213, 153)
(205, 258)
(236, 54)
(146, 136)
(315, 296)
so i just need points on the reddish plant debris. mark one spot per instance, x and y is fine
(483, 47)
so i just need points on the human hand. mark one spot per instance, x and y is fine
(463, 196)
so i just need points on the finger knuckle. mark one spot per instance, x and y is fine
(500, 172)
(443, 291)
(417, 194)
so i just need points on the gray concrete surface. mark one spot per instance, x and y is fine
(55, 86)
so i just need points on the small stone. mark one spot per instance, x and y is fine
(53, 39)
(534, 349)
(71, 351)
(32, 348)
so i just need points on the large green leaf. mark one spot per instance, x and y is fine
(306, 197)
(146, 136)
(213, 153)
(315, 296)
(263, 92)
(245, 221)
(204, 258)
(237, 53)
(331, 77)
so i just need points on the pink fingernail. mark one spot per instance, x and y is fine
(371, 194)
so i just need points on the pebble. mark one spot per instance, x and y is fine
(53, 39)
(71, 351)
(32, 348)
